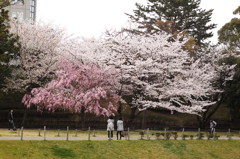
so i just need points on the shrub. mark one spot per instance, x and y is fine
(158, 135)
(200, 136)
(175, 135)
(142, 134)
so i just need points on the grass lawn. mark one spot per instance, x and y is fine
(138, 149)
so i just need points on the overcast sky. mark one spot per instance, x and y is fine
(90, 18)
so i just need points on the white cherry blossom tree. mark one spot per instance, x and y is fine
(156, 73)
(41, 47)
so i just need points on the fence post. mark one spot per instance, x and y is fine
(39, 132)
(183, 136)
(229, 134)
(76, 131)
(45, 131)
(22, 133)
(199, 137)
(89, 133)
(58, 133)
(128, 134)
(165, 134)
(67, 133)
(148, 134)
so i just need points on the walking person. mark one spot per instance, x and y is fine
(120, 128)
(213, 125)
(110, 127)
(11, 121)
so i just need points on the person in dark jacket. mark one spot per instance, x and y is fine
(11, 120)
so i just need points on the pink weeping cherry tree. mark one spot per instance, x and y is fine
(84, 88)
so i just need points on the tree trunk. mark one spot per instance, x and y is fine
(82, 116)
(77, 118)
(119, 109)
(131, 117)
(144, 119)
(24, 118)
(205, 116)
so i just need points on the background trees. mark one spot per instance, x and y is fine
(155, 73)
(5, 3)
(229, 36)
(41, 46)
(174, 16)
(9, 46)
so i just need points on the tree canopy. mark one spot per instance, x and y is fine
(151, 71)
(155, 73)
(9, 45)
(229, 34)
(174, 16)
(77, 88)
(5, 3)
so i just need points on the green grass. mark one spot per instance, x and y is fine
(139, 149)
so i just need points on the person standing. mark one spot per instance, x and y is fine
(110, 127)
(11, 120)
(120, 128)
(213, 125)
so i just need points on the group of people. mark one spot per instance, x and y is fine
(110, 128)
(120, 128)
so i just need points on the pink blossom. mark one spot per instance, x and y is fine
(75, 87)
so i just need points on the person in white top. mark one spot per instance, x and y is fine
(213, 125)
(120, 128)
(110, 127)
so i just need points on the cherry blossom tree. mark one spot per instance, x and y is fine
(77, 88)
(41, 46)
(156, 73)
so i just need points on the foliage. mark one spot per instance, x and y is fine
(174, 16)
(9, 46)
(200, 135)
(233, 91)
(175, 135)
(156, 73)
(229, 34)
(77, 87)
(41, 46)
(5, 3)
(141, 133)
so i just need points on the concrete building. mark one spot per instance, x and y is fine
(22, 11)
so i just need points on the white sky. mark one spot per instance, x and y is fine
(90, 18)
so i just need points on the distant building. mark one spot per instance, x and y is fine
(22, 11)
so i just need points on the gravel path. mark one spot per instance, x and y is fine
(91, 138)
